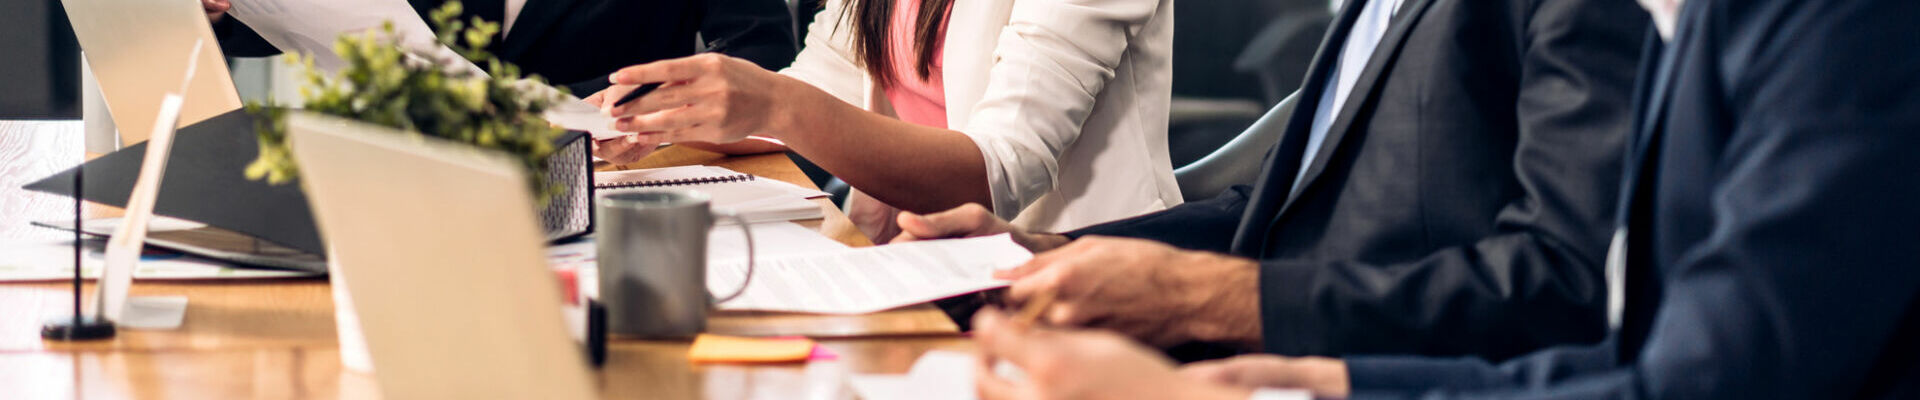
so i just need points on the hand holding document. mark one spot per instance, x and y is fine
(870, 279)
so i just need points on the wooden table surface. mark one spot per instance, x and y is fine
(275, 339)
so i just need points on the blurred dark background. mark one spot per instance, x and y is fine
(39, 62)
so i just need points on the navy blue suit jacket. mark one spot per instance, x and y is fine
(1772, 216)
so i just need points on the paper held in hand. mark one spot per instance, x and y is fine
(310, 28)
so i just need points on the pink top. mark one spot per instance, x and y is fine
(914, 100)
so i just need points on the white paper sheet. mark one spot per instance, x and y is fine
(575, 114)
(869, 279)
(310, 28)
(154, 313)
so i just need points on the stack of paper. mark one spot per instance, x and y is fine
(757, 199)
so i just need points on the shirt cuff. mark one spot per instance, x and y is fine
(1280, 394)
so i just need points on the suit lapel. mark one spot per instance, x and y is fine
(534, 19)
(1276, 176)
(1656, 81)
(1383, 58)
(1640, 276)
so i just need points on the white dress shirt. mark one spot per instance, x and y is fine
(512, 13)
(1354, 54)
(1665, 13)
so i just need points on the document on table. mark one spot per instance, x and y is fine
(311, 27)
(869, 279)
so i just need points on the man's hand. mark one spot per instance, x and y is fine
(1156, 293)
(621, 150)
(1066, 365)
(970, 220)
(1325, 377)
(216, 9)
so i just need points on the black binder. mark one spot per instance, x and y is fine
(205, 182)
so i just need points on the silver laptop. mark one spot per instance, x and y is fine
(138, 49)
(444, 261)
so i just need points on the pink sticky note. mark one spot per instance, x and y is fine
(822, 353)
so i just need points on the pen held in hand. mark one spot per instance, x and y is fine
(1030, 313)
(717, 45)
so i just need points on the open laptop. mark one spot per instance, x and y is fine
(138, 48)
(443, 258)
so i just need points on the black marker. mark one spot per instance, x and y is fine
(650, 87)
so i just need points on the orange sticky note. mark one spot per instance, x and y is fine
(732, 349)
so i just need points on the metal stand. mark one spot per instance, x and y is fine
(77, 327)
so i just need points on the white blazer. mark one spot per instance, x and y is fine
(1066, 99)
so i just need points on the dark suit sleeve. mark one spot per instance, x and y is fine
(1536, 280)
(756, 30)
(1808, 277)
(1201, 225)
(238, 40)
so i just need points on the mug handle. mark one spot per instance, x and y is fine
(746, 229)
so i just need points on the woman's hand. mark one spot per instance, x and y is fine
(621, 150)
(706, 98)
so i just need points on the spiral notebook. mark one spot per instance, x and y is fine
(757, 199)
(673, 176)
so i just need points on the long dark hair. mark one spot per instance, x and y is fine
(870, 20)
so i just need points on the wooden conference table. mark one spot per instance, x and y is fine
(276, 340)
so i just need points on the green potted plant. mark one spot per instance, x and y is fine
(383, 84)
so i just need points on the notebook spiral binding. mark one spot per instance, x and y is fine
(677, 182)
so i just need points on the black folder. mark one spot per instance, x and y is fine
(206, 182)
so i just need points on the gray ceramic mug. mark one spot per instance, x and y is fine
(652, 257)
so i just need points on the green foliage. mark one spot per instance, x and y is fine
(382, 84)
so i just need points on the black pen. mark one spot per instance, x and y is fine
(650, 87)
